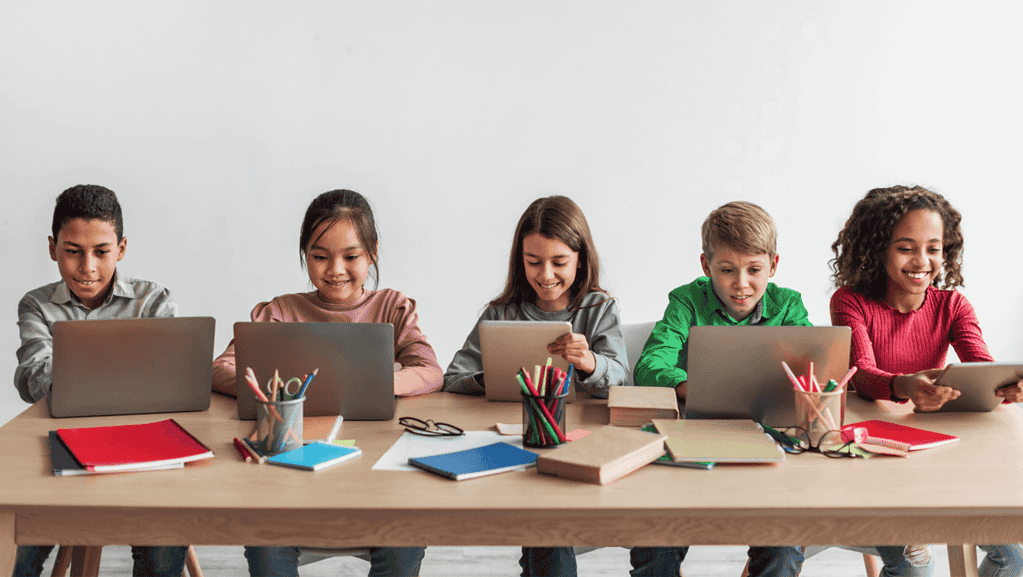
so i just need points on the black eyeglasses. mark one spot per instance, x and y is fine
(429, 428)
(796, 440)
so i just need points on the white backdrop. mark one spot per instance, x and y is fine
(217, 123)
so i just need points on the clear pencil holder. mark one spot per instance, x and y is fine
(819, 413)
(279, 425)
(543, 420)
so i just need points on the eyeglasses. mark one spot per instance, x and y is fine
(796, 440)
(429, 428)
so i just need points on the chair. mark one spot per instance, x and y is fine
(84, 561)
(636, 335)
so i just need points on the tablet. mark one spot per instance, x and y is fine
(977, 382)
(507, 346)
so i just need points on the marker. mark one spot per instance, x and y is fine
(334, 430)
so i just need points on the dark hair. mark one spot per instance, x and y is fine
(555, 217)
(862, 246)
(335, 206)
(91, 202)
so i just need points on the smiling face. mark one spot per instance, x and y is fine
(914, 259)
(86, 252)
(337, 262)
(550, 268)
(739, 279)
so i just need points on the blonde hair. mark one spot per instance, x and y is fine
(741, 226)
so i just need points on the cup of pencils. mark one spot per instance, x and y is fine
(543, 405)
(279, 425)
(820, 408)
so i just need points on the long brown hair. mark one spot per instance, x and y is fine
(862, 247)
(555, 217)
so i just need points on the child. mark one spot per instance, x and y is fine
(898, 246)
(739, 256)
(338, 246)
(87, 244)
(553, 275)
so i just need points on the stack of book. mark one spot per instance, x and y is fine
(637, 406)
(124, 448)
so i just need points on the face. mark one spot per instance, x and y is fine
(337, 262)
(86, 252)
(915, 254)
(739, 279)
(550, 268)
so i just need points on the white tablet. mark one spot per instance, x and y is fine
(978, 382)
(507, 346)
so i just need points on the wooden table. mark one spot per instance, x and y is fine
(964, 493)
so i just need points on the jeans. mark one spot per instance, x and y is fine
(906, 560)
(548, 562)
(1001, 561)
(656, 561)
(383, 561)
(775, 561)
(147, 561)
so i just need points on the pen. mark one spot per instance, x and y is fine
(334, 430)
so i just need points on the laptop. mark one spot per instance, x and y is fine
(507, 346)
(736, 372)
(131, 366)
(977, 383)
(356, 362)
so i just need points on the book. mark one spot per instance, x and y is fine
(65, 465)
(133, 447)
(637, 406)
(917, 438)
(718, 441)
(481, 461)
(667, 460)
(315, 456)
(604, 456)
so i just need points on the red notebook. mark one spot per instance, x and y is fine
(917, 438)
(126, 447)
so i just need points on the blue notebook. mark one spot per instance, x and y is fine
(315, 456)
(470, 463)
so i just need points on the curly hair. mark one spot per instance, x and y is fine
(89, 202)
(862, 247)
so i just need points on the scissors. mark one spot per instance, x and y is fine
(286, 393)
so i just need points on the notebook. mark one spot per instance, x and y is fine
(507, 346)
(478, 462)
(64, 463)
(917, 438)
(131, 366)
(315, 456)
(718, 441)
(133, 447)
(735, 372)
(977, 383)
(356, 362)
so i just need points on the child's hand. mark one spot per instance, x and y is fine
(1011, 393)
(921, 390)
(574, 348)
(680, 390)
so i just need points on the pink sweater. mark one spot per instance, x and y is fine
(419, 373)
(886, 342)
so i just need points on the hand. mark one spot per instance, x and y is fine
(680, 390)
(1011, 393)
(574, 349)
(921, 390)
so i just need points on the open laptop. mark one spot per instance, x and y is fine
(977, 383)
(507, 346)
(356, 362)
(131, 366)
(736, 372)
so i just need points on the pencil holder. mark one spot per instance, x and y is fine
(818, 413)
(543, 420)
(279, 425)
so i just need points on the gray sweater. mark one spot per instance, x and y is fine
(597, 319)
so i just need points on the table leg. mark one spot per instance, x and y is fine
(962, 560)
(8, 549)
(85, 560)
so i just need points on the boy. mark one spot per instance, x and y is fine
(739, 256)
(87, 243)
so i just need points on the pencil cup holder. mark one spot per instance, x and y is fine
(818, 413)
(279, 425)
(543, 420)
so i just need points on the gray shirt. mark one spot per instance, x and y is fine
(129, 298)
(597, 319)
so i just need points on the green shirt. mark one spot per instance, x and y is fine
(664, 358)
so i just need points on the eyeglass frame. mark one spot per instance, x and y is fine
(792, 443)
(429, 427)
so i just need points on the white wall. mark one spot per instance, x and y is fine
(216, 123)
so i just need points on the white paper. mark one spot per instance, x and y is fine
(412, 446)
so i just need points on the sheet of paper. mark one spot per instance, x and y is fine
(509, 429)
(409, 446)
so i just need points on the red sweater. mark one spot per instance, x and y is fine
(886, 342)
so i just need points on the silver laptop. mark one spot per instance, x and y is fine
(356, 362)
(507, 346)
(736, 372)
(977, 383)
(131, 366)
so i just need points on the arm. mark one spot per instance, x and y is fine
(160, 306)
(465, 373)
(870, 381)
(599, 356)
(969, 344)
(33, 376)
(224, 376)
(660, 364)
(419, 373)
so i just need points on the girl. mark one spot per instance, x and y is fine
(338, 246)
(553, 275)
(898, 246)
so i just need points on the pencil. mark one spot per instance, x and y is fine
(309, 379)
(256, 453)
(242, 450)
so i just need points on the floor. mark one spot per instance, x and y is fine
(503, 561)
